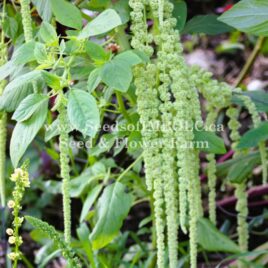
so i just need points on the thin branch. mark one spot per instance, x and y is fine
(250, 61)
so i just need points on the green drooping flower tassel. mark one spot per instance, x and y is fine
(242, 209)
(26, 20)
(234, 126)
(256, 122)
(211, 171)
(240, 192)
(160, 223)
(147, 94)
(211, 168)
(194, 205)
(64, 166)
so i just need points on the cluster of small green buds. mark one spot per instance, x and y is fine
(250, 105)
(242, 225)
(233, 125)
(21, 179)
(26, 20)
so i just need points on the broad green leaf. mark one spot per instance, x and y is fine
(241, 170)
(103, 23)
(180, 13)
(18, 89)
(94, 79)
(83, 233)
(40, 53)
(112, 208)
(117, 74)
(7, 69)
(252, 137)
(98, 4)
(96, 52)
(24, 133)
(10, 27)
(83, 112)
(223, 168)
(43, 8)
(48, 33)
(66, 13)
(208, 141)
(213, 240)
(28, 106)
(53, 130)
(248, 16)
(123, 9)
(259, 97)
(24, 54)
(130, 57)
(91, 198)
(207, 24)
(79, 185)
(104, 145)
(52, 80)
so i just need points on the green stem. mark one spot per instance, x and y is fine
(250, 61)
(26, 262)
(122, 38)
(3, 20)
(129, 168)
(3, 134)
(122, 107)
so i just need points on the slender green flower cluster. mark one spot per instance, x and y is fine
(26, 20)
(21, 179)
(256, 122)
(242, 208)
(67, 253)
(212, 179)
(233, 125)
(211, 169)
(147, 93)
(3, 131)
(64, 166)
(169, 98)
(218, 95)
(240, 192)
(167, 94)
(147, 104)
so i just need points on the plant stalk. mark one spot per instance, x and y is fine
(250, 61)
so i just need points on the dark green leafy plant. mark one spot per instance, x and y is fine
(93, 89)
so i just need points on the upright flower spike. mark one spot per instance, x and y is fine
(3, 131)
(50, 231)
(64, 166)
(26, 20)
(21, 179)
